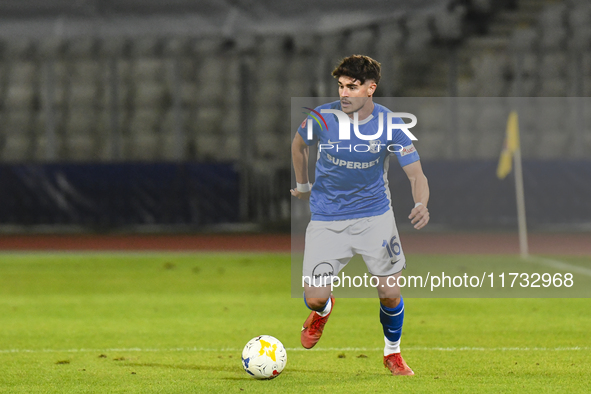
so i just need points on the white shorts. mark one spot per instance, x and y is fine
(331, 244)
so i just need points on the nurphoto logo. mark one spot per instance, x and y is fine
(373, 144)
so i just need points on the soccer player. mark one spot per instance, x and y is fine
(350, 202)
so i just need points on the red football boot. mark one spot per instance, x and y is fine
(313, 327)
(395, 363)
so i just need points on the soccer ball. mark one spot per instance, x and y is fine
(264, 357)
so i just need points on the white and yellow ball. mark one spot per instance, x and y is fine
(264, 357)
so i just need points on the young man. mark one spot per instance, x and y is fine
(350, 202)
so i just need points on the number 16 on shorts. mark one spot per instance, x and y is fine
(393, 247)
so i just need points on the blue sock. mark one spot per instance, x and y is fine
(392, 319)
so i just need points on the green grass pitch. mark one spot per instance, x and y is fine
(176, 323)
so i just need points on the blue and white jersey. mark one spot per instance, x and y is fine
(352, 176)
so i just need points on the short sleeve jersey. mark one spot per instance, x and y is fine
(352, 175)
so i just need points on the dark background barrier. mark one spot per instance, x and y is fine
(465, 194)
(108, 196)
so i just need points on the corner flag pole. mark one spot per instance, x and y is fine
(512, 150)
(520, 195)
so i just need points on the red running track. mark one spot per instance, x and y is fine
(430, 243)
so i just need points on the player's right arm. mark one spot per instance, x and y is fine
(299, 155)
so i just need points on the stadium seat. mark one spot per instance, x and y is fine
(272, 45)
(52, 47)
(265, 121)
(230, 123)
(16, 135)
(176, 47)
(268, 94)
(419, 32)
(232, 149)
(188, 92)
(553, 87)
(210, 80)
(124, 85)
(579, 15)
(270, 69)
(530, 64)
(20, 48)
(208, 147)
(21, 89)
(232, 82)
(482, 6)
(529, 87)
(115, 47)
(82, 48)
(489, 72)
(304, 43)
(529, 73)
(169, 133)
(524, 39)
(80, 137)
(553, 32)
(40, 150)
(207, 121)
(581, 39)
(104, 135)
(144, 135)
(389, 39)
(146, 47)
(553, 64)
(206, 45)
(466, 87)
(82, 94)
(330, 45)
(87, 70)
(300, 76)
(389, 44)
(244, 43)
(149, 94)
(361, 41)
(448, 24)
(15, 147)
(218, 147)
(149, 69)
(266, 144)
(19, 96)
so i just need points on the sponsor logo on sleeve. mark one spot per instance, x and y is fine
(407, 150)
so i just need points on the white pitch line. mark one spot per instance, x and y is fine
(561, 265)
(332, 349)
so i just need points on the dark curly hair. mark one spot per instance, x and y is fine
(359, 67)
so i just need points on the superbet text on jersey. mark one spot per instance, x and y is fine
(351, 175)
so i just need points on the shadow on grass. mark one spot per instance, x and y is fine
(222, 368)
(299, 370)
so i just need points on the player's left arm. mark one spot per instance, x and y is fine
(419, 216)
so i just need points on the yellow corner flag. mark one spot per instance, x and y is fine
(511, 145)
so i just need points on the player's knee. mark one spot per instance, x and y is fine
(390, 302)
(316, 303)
